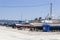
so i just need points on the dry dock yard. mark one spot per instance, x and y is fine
(7, 33)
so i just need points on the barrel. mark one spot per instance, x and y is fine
(46, 27)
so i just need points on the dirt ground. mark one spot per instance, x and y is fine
(7, 33)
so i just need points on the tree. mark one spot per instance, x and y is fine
(36, 18)
(40, 18)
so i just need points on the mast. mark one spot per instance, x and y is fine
(50, 10)
(21, 16)
(49, 16)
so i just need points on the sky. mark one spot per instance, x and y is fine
(28, 9)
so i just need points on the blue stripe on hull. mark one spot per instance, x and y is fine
(51, 27)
